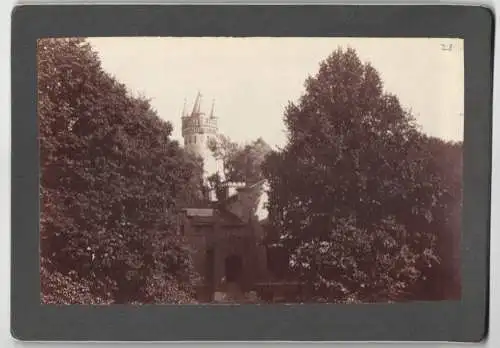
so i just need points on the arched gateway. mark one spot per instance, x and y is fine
(233, 266)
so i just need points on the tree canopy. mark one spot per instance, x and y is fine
(241, 163)
(360, 198)
(365, 206)
(112, 181)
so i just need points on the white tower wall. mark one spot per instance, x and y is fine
(198, 130)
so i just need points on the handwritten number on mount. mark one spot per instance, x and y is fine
(446, 47)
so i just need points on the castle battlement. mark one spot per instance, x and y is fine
(199, 124)
(233, 184)
(198, 128)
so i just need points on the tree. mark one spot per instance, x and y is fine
(111, 183)
(241, 163)
(446, 162)
(224, 150)
(355, 195)
(246, 164)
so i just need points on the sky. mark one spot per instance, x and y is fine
(251, 80)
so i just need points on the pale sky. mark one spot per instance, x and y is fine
(253, 79)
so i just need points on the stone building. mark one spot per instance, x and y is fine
(227, 235)
(227, 243)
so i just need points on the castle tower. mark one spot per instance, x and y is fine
(198, 130)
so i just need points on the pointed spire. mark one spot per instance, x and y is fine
(184, 108)
(212, 115)
(197, 104)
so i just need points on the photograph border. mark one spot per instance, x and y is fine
(463, 321)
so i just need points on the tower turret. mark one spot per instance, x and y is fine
(184, 111)
(212, 114)
(198, 130)
(197, 105)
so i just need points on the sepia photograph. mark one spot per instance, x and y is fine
(258, 170)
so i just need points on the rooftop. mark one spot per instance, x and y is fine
(201, 212)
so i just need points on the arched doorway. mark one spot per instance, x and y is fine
(233, 268)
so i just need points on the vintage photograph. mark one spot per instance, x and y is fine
(219, 170)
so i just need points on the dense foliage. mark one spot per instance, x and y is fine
(112, 181)
(367, 206)
(241, 163)
(364, 205)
